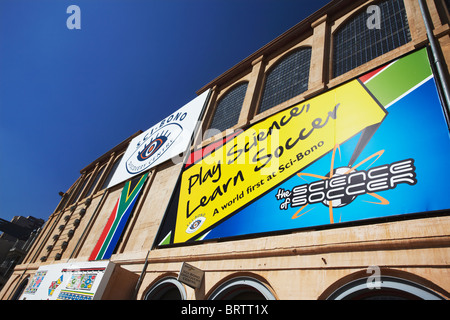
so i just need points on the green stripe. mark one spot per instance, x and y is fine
(123, 204)
(166, 240)
(105, 244)
(402, 76)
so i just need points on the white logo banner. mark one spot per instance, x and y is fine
(165, 140)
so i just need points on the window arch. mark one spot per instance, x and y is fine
(287, 79)
(228, 110)
(111, 172)
(166, 289)
(20, 289)
(355, 43)
(81, 189)
(242, 288)
(386, 288)
(94, 183)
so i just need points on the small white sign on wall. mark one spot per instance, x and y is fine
(191, 275)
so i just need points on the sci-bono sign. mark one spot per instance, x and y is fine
(375, 146)
(165, 140)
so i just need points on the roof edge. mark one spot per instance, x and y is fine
(107, 154)
(285, 37)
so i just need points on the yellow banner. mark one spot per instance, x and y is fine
(268, 153)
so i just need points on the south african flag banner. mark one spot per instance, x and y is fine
(118, 219)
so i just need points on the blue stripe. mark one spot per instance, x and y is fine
(118, 232)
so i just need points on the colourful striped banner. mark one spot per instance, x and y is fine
(389, 83)
(117, 221)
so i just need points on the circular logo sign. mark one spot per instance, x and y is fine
(196, 224)
(152, 147)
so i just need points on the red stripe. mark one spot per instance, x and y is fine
(202, 153)
(104, 233)
(370, 75)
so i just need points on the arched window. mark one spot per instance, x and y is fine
(80, 190)
(386, 288)
(287, 79)
(94, 183)
(111, 173)
(166, 289)
(243, 288)
(20, 289)
(370, 35)
(228, 110)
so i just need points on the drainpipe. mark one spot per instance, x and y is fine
(442, 77)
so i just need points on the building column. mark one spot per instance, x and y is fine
(415, 22)
(319, 56)
(251, 99)
(206, 121)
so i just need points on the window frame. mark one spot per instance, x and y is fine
(276, 64)
(81, 189)
(225, 290)
(164, 285)
(210, 131)
(93, 186)
(352, 16)
(404, 288)
(109, 172)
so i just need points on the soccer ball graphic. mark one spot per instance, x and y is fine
(345, 200)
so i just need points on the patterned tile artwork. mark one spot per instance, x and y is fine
(69, 281)
(81, 281)
(36, 282)
(54, 285)
(70, 295)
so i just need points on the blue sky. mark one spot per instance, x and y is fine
(68, 96)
